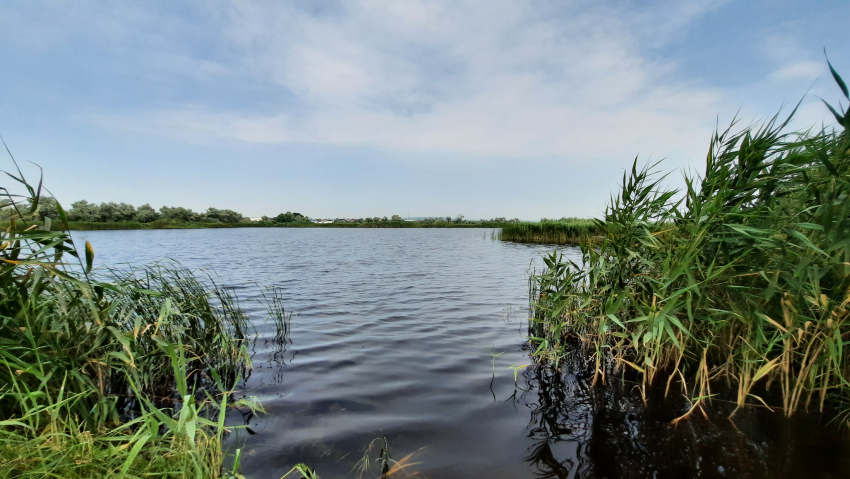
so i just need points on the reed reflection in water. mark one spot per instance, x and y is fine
(578, 430)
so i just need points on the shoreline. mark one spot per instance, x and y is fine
(85, 226)
(527, 232)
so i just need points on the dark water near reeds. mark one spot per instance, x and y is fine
(394, 337)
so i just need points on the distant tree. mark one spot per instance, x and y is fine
(384, 218)
(459, 219)
(396, 218)
(113, 212)
(47, 208)
(223, 216)
(265, 218)
(290, 217)
(108, 211)
(84, 211)
(448, 218)
(178, 213)
(287, 217)
(146, 214)
(500, 219)
(124, 212)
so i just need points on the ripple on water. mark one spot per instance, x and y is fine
(394, 337)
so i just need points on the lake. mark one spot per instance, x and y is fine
(410, 335)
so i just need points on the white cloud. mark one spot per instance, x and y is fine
(495, 78)
(805, 70)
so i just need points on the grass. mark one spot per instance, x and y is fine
(563, 231)
(740, 282)
(122, 374)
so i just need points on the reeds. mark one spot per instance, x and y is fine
(741, 280)
(563, 231)
(378, 455)
(127, 373)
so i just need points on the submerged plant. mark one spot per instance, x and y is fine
(304, 470)
(740, 279)
(378, 454)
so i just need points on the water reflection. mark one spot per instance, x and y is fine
(583, 431)
(558, 424)
(278, 345)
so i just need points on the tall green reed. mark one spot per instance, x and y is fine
(123, 373)
(740, 279)
(564, 231)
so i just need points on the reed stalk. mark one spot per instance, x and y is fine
(742, 278)
(563, 231)
(115, 374)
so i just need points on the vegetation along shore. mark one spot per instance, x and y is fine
(735, 288)
(114, 374)
(562, 231)
(85, 216)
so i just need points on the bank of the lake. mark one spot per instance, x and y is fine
(573, 231)
(133, 225)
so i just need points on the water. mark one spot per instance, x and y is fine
(409, 335)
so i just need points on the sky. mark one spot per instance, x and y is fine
(360, 108)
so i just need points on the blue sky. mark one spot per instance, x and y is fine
(363, 108)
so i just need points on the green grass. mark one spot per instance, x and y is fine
(122, 225)
(124, 374)
(564, 231)
(739, 283)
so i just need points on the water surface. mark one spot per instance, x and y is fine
(409, 335)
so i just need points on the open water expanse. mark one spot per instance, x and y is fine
(409, 335)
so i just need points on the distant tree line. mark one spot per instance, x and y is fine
(287, 217)
(111, 212)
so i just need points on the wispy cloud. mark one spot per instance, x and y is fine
(805, 70)
(580, 86)
(495, 78)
